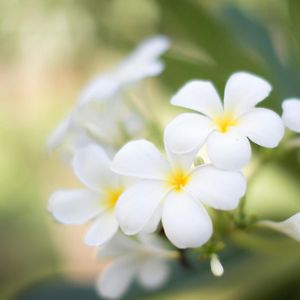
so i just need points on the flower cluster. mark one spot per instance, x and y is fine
(144, 203)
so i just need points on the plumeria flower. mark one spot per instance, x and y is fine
(67, 138)
(225, 128)
(101, 115)
(291, 114)
(290, 226)
(110, 125)
(141, 63)
(216, 266)
(96, 202)
(172, 190)
(145, 259)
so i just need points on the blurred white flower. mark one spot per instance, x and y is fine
(290, 226)
(141, 63)
(144, 259)
(226, 129)
(101, 115)
(291, 114)
(172, 190)
(96, 202)
(216, 266)
(67, 138)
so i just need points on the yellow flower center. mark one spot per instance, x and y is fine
(225, 122)
(112, 196)
(178, 179)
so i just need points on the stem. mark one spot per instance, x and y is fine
(183, 259)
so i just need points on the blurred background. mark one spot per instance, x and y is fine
(50, 49)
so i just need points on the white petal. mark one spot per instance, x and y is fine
(138, 203)
(101, 88)
(102, 230)
(262, 126)
(217, 188)
(144, 61)
(199, 95)
(115, 279)
(291, 114)
(140, 159)
(290, 226)
(153, 222)
(119, 245)
(58, 135)
(243, 91)
(154, 273)
(74, 206)
(92, 166)
(153, 242)
(229, 150)
(216, 266)
(186, 134)
(185, 221)
(152, 48)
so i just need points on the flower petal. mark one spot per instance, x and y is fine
(100, 88)
(243, 91)
(290, 226)
(92, 166)
(262, 126)
(74, 206)
(185, 221)
(154, 273)
(199, 95)
(291, 114)
(186, 134)
(119, 245)
(115, 279)
(138, 203)
(229, 150)
(59, 134)
(217, 188)
(102, 230)
(144, 61)
(140, 159)
(153, 222)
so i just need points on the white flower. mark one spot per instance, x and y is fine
(291, 114)
(225, 128)
(111, 124)
(216, 266)
(101, 115)
(141, 63)
(67, 138)
(144, 259)
(96, 202)
(290, 226)
(173, 191)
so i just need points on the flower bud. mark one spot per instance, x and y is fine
(216, 266)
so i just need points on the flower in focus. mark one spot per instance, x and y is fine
(291, 114)
(290, 226)
(216, 266)
(145, 259)
(225, 128)
(172, 190)
(96, 202)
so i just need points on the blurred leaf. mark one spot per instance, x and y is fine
(189, 23)
(253, 35)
